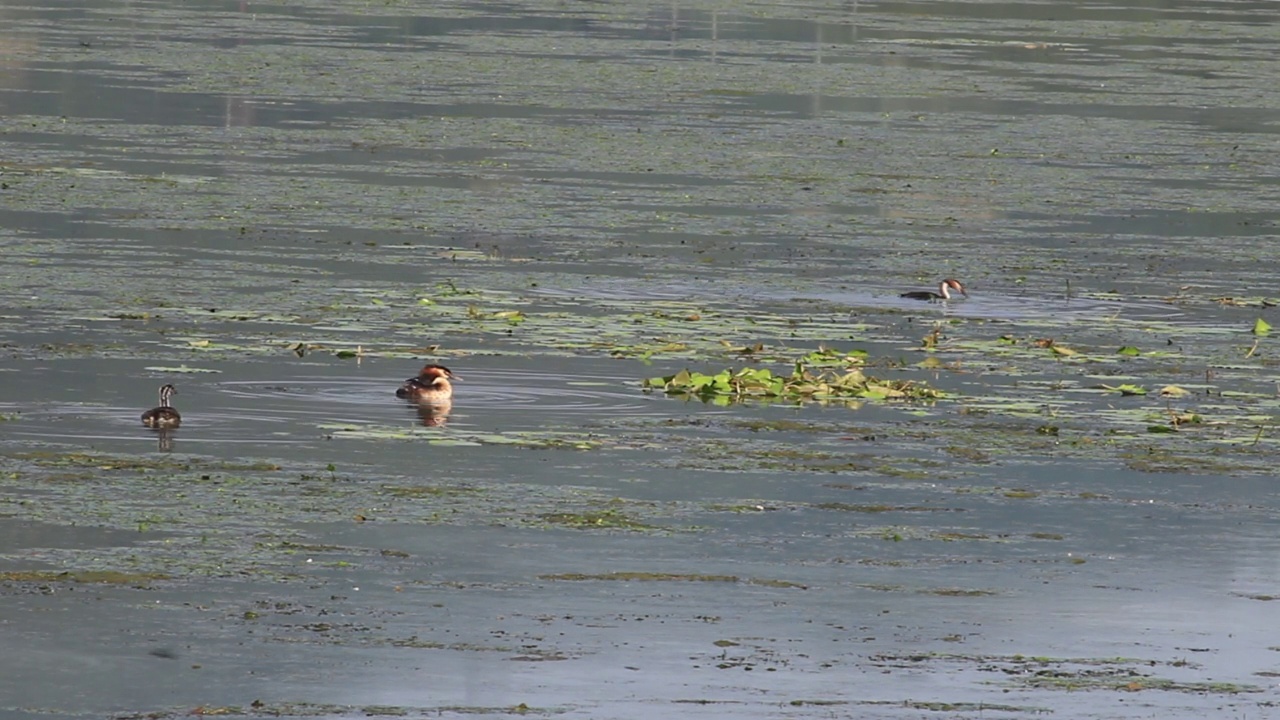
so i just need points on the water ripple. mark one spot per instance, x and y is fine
(512, 392)
(295, 410)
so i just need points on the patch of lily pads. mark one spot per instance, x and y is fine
(823, 376)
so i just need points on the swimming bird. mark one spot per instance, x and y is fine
(163, 416)
(431, 385)
(944, 291)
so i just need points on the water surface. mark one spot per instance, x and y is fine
(286, 210)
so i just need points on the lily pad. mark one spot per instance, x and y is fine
(1127, 389)
(802, 385)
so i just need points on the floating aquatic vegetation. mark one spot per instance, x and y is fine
(1055, 348)
(607, 519)
(1173, 391)
(1126, 389)
(134, 463)
(1048, 673)
(838, 379)
(102, 577)
(827, 357)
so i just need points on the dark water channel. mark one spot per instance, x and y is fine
(286, 209)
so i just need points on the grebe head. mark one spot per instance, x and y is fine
(951, 284)
(437, 372)
(166, 395)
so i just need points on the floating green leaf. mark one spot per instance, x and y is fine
(1261, 327)
(513, 317)
(1129, 350)
(827, 357)
(1126, 389)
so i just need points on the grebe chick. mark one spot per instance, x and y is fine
(163, 416)
(432, 385)
(944, 291)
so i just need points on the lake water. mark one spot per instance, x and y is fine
(286, 209)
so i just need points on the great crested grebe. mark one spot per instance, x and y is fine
(432, 385)
(944, 291)
(163, 416)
